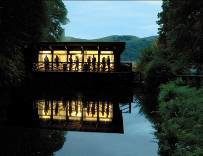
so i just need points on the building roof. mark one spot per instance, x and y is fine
(115, 46)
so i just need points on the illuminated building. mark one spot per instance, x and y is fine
(78, 57)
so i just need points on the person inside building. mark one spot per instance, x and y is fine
(108, 63)
(71, 63)
(103, 64)
(57, 61)
(46, 63)
(89, 63)
(85, 67)
(94, 63)
(76, 63)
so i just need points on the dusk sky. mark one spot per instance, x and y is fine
(96, 19)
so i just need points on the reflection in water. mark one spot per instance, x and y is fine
(35, 128)
(80, 115)
(75, 110)
(18, 141)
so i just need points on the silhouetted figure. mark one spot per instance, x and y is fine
(85, 67)
(77, 63)
(89, 63)
(107, 110)
(108, 63)
(64, 104)
(71, 63)
(93, 109)
(57, 108)
(94, 63)
(46, 107)
(76, 107)
(70, 108)
(88, 108)
(46, 63)
(103, 64)
(103, 108)
(57, 61)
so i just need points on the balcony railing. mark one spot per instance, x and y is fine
(80, 67)
(72, 67)
(125, 67)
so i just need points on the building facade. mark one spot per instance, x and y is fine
(77, 56)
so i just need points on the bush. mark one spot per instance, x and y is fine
(181, 111)
(157, 72)
(155, 67)
(11, 70)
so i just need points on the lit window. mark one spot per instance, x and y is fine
(45, 52)
(62, 55)
(89, 54)
(107, 52)
(75, 52)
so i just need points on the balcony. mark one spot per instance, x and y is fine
(80, 67)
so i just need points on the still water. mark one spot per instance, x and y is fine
(79, 124)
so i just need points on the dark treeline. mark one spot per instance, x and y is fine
(31, 142)
(177, 49)
(24, 22)
(176, 52)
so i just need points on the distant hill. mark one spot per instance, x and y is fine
(133, 44)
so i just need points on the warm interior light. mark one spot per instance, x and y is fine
(62, 55)
(45, 52)
(75, 110)
(64, 60)
(75, 52)
(43, 55)
(60, 52)
(91, 52)
(74, 56)
(106, 52)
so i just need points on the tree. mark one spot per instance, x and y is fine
(181, 31)
(55, 12)
(23, 22)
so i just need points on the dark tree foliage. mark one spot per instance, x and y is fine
(179, 42)
(180, 31)
(177, 51)
(180, 129)
(31, 141)
(23, 22)
(55, 12)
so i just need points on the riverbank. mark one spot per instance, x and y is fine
(178, 119)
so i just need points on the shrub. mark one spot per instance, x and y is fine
(181, 112)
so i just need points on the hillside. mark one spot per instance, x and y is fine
(133, 44)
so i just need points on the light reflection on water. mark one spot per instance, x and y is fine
(75, 110)
(137, 140)
(79, 115)
(127, 131)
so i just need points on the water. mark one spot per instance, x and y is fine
(82, 124)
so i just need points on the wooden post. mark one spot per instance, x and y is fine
(129, 107)
(51, 110)
(98, 62)
(97, 111)
(66, 110)
(83, 57)
(52, 59)
(116, 60)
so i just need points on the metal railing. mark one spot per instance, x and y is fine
(72, 67)
(81, 67)
(125, 67)
(192, 80)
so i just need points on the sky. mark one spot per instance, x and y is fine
(96, 19)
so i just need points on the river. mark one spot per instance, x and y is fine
(85, 123)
